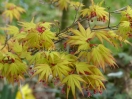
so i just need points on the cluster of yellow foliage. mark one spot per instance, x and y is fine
(33, 44)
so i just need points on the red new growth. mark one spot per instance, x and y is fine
(40, 29)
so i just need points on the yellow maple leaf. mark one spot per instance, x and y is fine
(12, 11)
(63, 4)
(114, 37)
(76, 4)
(82, 68)
(127, 14)
(12, 67)
(81, 37)
(39, 33)
(94, 82)
(44, 71)
(124, 29)
(12, 30)
(73, 81)
(101, 56)
(103, 35)
(95, 10)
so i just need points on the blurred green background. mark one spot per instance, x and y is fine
(119, 84)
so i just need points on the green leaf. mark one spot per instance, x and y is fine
(73, 81)
(82, 67)
(43, 70)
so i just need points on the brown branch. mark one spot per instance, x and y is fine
(109, 18)
(77, 10)
(121, 9)
(75, 23)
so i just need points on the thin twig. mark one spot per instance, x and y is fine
(121, 9)
(109, 18)
(77, 10)
(105, 28)
(89, 25)
(66, 29)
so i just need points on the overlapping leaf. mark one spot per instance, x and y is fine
(63, 4)
(81, 37)
(100, 56)
(12, 11)
(44, 71)
(82, 68)
(124, 29)
(72, 81)
(95, 11)
(94, 82)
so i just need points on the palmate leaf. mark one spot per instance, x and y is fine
(11, 55)
(15, 46)
(38, 58)
(8, 14)
(4, 69)
(32, 37)
(17, 68)
(76, 4)
(94, 82)
(95, 10)
(12, 11)
(124, 29)
(81, 37)
(103, 35)
(126, 14)
(61, 70)
(113, 35)
(16, 13)
(59, 63)
(82, 68)
(13, 71)
(43, 70)
(73, 81)
(94, 70)
(11, 29)
(28, 25)
(47, 37)
(20, 36)
(38, 33)
(63, 4)
(100, 56)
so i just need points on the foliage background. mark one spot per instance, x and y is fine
(119, 84)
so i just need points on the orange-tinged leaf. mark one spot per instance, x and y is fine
(103, 35)
(118, 37)
(101, 56)
(95, 10)
(95, 82)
